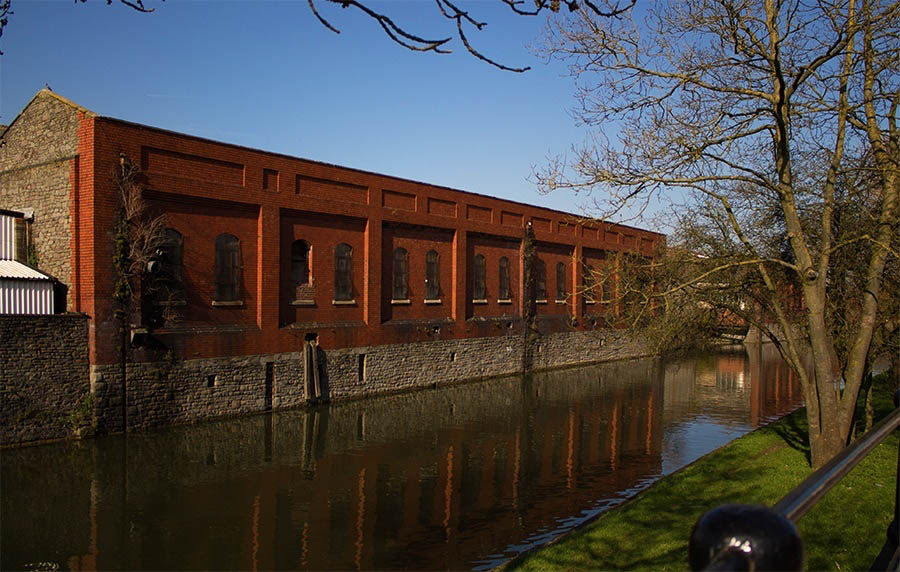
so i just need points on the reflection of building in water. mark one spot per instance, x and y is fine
(744, 385)
(425, 480)
(778, 390)
(713, 399)
(429, 480)
(730, 372)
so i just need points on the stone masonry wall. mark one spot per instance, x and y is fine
(44, 383)
(35, 165)
(185, 391)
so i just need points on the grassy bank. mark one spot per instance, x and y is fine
(845, 531)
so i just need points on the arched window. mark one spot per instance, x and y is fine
(343, 272)
(300, 263)
(479, 291)
(561, 292)
(228, 268)
(589, 283)
(540, 279)
(171, 263)
(400, 271)
(503, 294)
(432, 276)
(607, 284)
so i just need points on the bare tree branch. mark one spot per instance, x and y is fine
(324, 22)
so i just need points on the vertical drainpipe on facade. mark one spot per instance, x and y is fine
(528, 307)
(123, 332)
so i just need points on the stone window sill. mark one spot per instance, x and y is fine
(167, 303)
(542, 301)
(590, 302)
(432, 302)
(561, 301)
(303, 303)
(505, 301)
(479, 301)
(227, 303)
(401, 302)
(344, 302)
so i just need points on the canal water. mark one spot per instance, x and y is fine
(461, 477)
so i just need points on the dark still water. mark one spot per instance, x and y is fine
(454, 478)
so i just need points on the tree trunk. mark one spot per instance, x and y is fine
(825, 444)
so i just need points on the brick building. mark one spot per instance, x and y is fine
(263, 253)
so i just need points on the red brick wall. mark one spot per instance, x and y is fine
(494, 248)
(551, 255)
(199, 225)
(323, 234)
(417, 241)
(604, 283)
(269, 200)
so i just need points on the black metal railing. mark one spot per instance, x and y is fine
(747, 537)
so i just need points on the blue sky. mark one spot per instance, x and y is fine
(267, 75)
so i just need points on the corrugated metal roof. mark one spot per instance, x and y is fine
(14, 270)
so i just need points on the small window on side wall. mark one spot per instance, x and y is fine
(432, 276)
(343, 273)
(228, 268)
(479, 291)
(170, 280)
(300, 263)
(400, 270)
(503, 294)
(540, 279)
(561, 291)
(589, 284)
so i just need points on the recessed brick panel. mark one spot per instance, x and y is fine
(315, 187)
(192, 166)
(478, 214)
(270, 180)
(441, 208)
(541, 224)
(493, 248)
(417, 240)
(508, 218)
(398, 200)
(323, 234)
(566, 228)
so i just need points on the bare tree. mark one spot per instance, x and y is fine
(139, 234)
(461, 20)
(6, 10)
(761, 124)
(137, 239)
(451, 12)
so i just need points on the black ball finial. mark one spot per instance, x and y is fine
(745, 537)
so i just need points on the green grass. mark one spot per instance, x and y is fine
(845, 530)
